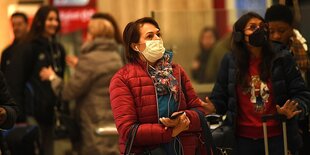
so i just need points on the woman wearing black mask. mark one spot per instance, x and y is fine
(254, 81)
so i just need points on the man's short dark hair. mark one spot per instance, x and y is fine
(279, 12)
(20, 14)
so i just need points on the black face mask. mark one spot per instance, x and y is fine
(258, 38)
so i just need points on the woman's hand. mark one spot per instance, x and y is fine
(195, 65)
(72, 61)
(289, 109)
(47, 73)
(183, 125)
(167, 122)
(208, 106)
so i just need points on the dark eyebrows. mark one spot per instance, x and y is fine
(152, 32)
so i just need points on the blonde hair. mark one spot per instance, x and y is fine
(100, 28)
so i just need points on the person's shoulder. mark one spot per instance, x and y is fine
(176, 65)
(280, 49)
(127, 69)
(285, 57)
(25, 49)
(30, 45)
(7, 48)
(124, 74)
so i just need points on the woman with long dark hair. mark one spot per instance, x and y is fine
(39, 49)
(255, 80)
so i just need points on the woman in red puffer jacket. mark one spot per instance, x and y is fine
(150, 89)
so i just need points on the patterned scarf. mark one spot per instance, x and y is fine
(162, 76)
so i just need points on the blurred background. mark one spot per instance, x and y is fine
(181, 21)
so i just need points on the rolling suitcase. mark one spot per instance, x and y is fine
(282, 118)
(222, 134)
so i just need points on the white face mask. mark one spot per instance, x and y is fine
(154, 50)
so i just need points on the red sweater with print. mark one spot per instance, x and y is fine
(255, 102)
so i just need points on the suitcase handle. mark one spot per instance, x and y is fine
(281, 118)
(214, 117)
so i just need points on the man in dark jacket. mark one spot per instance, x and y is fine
(19, 23)
(280, 20)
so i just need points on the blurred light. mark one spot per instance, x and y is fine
(70, 2)
(11, 9)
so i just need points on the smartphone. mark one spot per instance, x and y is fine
(177, 115)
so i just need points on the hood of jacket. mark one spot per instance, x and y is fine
(99, 44)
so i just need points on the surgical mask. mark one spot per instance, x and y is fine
(154, 50)
(258, 38)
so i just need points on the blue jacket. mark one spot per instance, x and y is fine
(286, 81)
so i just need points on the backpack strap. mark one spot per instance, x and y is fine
(131, 137)
(210, 146)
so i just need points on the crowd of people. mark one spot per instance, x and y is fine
(131, 80)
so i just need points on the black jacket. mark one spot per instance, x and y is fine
(38, 99)
(6, 64)
(7, 55)
(287, 83)
(7, 102)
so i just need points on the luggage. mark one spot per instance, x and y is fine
(222, 134)
(282, 118)
(23, 139)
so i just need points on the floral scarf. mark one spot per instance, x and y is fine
(162, 76)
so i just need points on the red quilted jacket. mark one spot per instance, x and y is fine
(133, 99)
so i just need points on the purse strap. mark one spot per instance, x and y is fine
(131, 136)
(207, 135)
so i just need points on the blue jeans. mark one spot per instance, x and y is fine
(248, 146)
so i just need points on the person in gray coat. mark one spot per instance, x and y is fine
(89, 84)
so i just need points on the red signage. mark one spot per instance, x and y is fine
(74, 14)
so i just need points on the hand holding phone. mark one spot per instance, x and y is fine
(176, 115)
